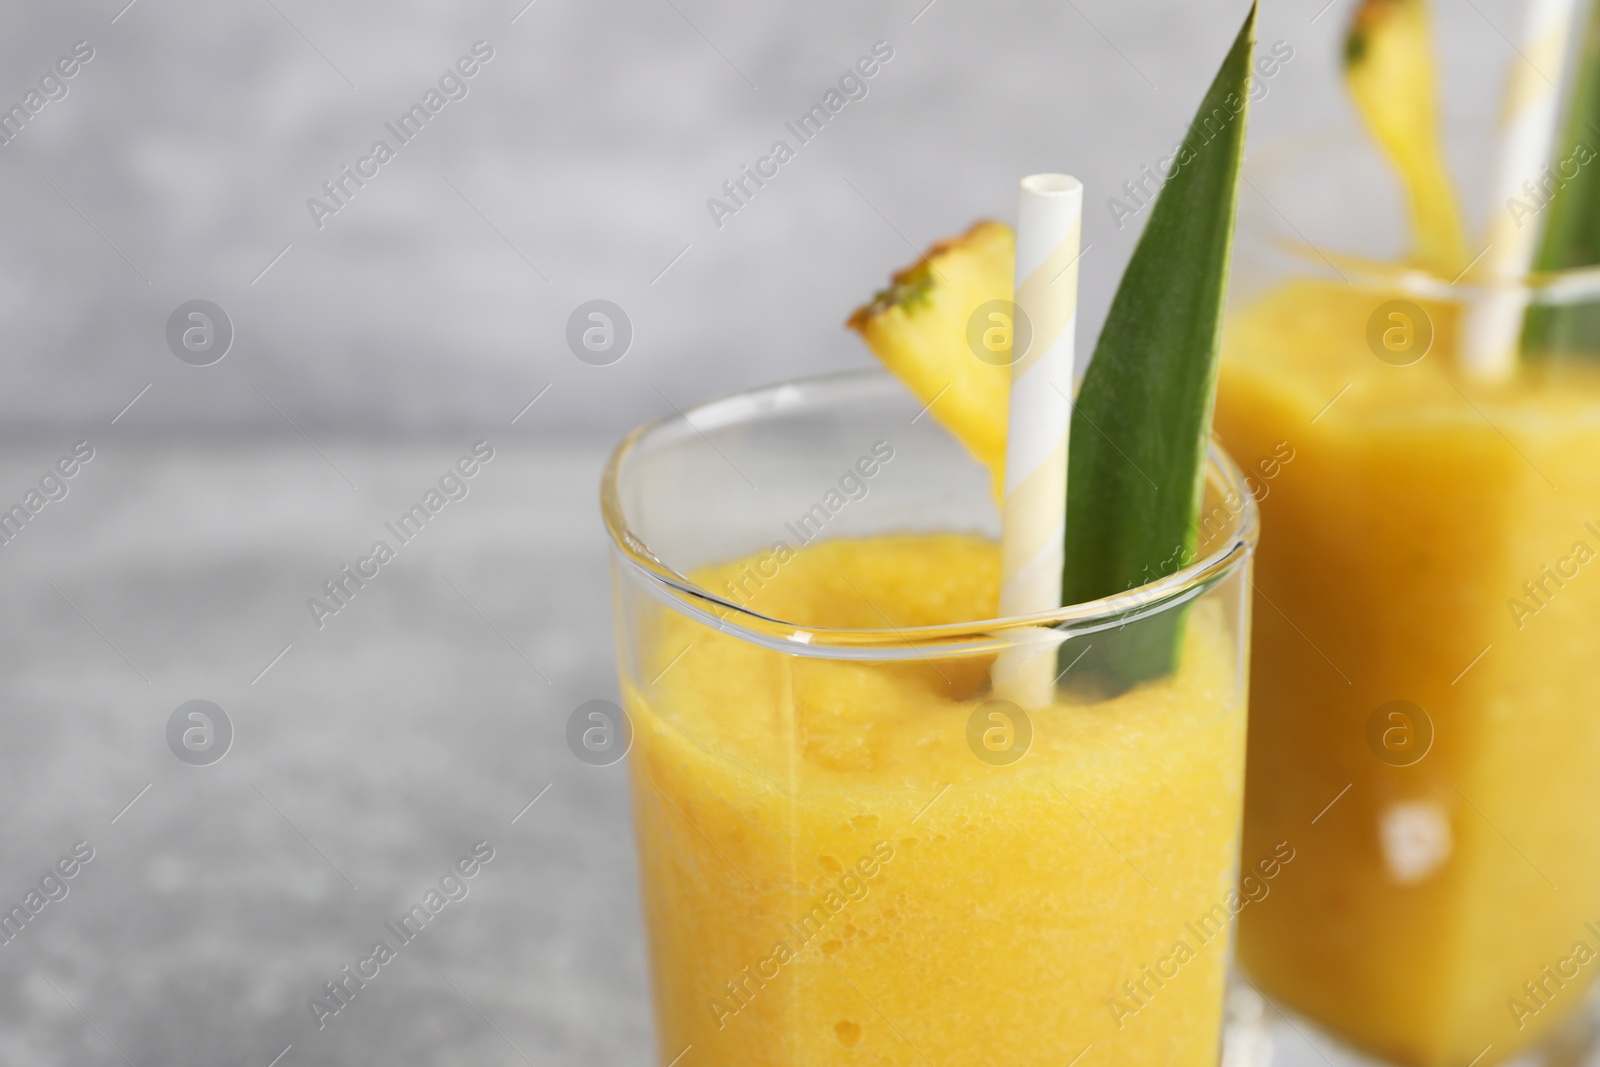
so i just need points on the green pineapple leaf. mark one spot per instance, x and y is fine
(1142, 423)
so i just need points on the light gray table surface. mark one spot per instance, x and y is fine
(422, 718)
(418, 721)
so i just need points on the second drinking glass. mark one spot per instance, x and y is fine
(1423, 724)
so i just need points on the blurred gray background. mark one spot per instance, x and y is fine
(577, 167)
(368, 354)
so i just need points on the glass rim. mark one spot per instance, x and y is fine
(1568, 285)
(969, 637)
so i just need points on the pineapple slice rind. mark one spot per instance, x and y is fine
(918, 327)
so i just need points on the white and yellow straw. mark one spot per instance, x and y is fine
(1493, 325)
(1049, 223)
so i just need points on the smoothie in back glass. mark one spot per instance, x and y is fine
(1421, 430)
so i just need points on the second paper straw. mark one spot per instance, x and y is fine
(1493, 326)
(1049, 223)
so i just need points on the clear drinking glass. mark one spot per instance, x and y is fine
(850, 852)
(1423, 724)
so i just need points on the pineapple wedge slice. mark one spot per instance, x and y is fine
(918, 327)
(1388, 66)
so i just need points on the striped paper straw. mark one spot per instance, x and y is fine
(1493, 325)
(1049, 222)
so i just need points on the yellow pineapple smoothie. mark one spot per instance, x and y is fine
(1433, 541)
(832, 875)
